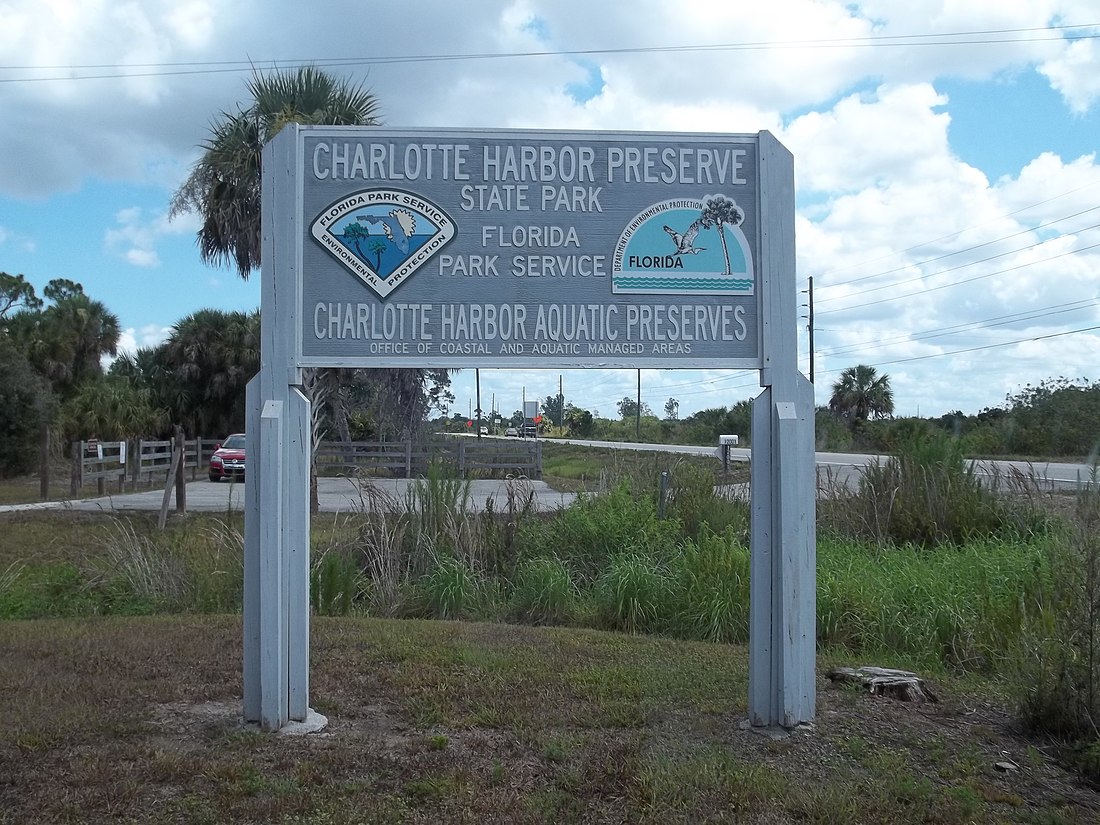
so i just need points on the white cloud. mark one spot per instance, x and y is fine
(135, 237)
(1076, 74)
(150, 335)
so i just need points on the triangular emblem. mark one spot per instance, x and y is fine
(383, 236)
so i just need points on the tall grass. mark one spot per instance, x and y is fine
(451, 589)
(1059, 665)
(926, 494)
(197, 570)
(712, 580)
(596, 528)
(961, 607)
(695, 502)
(543, 591)
(633, 593)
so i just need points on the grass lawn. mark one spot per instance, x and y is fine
(137, 720)
(573, 468)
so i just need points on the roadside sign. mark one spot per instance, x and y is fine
(505, 248)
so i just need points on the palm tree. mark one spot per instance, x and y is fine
(718, 210)
(860, 393)
(224, 186)
(210, 356)
(66, 341)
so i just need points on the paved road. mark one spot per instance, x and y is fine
(845, 467)
(342, 494)
(334, 495)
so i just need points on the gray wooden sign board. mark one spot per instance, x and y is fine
(509, 248)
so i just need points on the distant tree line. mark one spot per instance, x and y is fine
(1058, 418)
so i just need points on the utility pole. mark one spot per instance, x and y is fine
(811, 326)
(561, 405)
(477, 389)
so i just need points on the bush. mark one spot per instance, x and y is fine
(587, 534)
(712, 584)
(633, 594)
(543, 592)
(1060, 655)
(26, 404)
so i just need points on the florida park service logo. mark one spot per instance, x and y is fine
(383, 235)
(684, 246)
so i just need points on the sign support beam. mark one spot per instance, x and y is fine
(276, 596)
(782, 576)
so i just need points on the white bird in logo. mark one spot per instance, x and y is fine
(399, 226)
(684, 243)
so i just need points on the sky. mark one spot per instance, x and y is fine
(948, 188)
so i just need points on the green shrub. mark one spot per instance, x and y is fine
(335, 583)
(1060, 656)
(634, 594)
(450, 590)
(712, 578)
(543, 592)
(26, 403)
(588, 533)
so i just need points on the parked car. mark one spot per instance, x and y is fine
(483, 430)
(511, 432)
(228, 459)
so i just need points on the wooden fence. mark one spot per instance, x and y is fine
(126, 465)
(488, 456)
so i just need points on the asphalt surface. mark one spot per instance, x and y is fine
(344, 494)
(846, 467)
(335, 495)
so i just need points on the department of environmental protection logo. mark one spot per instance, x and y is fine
(383, 235)
(684, 246)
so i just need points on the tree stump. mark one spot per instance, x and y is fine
(882, 681)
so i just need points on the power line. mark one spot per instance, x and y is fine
(986, 347)
(956, 234)
(956, 283)
(987, 323)
(1069, 33)
(964, 250)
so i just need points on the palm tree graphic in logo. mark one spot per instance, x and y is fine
(720, 211)
(695, 265)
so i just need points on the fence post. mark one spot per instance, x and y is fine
(462, 458)
(44, 463)
(131, 464)
(123, 458)
(181, 481)
(198, 458)
(538, 460)
(75, 476)
(408, 457)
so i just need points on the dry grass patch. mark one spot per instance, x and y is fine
(137, 720)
